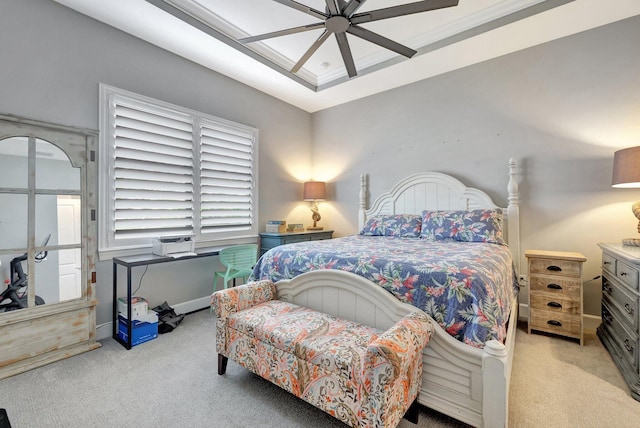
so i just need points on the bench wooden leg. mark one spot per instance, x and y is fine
(222, 364)
(413, 413)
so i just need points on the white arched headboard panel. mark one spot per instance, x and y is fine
(437, 191)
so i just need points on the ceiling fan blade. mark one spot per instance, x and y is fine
(286, 32)
(352, 7)
(302, 8)
(314, 47)
(401, 10)
(345, 50)
(332, 8)
(379, 40)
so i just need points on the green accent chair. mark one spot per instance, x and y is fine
(239, 261)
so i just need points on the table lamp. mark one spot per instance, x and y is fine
(315, 191)
(626, 174)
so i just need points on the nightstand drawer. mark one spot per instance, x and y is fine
(554, 303)
(555, 267)
(609, 263)
(622, 299)
(296, 238)
(569, 288)
(627, 274)
(556, 322)
(269, 240)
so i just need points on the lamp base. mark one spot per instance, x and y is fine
(631, 242)
(321, 228)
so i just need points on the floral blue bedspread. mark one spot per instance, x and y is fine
(466, 287)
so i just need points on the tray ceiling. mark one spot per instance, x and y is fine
(209, 32)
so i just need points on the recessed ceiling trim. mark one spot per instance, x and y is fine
(483, 27)
(201, 12)
(207, 29)
(197, 15)
(501, 21)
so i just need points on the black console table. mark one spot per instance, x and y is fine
(140, 260)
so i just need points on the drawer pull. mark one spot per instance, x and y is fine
(628, 308)
(606, 287)
(554, 287)
(606, 263)
(623, 273)
(554, 322)
(607, 317)
(554, 268)
(554, 304)
(628, 346)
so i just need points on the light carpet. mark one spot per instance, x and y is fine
(172, 381)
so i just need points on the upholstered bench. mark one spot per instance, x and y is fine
(363, 376)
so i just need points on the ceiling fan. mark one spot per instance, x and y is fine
(340, 18)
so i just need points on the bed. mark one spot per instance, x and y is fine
(467, 284)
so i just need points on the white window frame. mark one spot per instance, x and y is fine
(108, 245)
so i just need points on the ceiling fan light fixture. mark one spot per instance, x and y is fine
(341, 18)
(337, 24)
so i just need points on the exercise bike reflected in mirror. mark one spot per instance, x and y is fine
(14, 297)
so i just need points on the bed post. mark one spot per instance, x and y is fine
(496, 372)
(362, 196)
(497, 358)
(513, 215)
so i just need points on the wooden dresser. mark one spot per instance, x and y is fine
(555, 292)
(620, 321)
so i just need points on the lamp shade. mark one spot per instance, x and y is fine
(626, 168)
(315, 191)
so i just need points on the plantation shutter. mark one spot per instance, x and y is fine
(152, 171)
(226, 178)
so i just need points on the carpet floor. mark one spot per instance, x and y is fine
(172, 381)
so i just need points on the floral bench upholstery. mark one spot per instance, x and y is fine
(360, 375)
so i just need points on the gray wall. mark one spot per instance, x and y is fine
(51, 62)
(560, 109)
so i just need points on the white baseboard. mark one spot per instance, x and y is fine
(523, 312)
(192, 305)
(104, 331)
(591, 322)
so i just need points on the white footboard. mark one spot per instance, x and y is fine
(466, 383)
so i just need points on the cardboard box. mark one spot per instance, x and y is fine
(276, 226)
(139, 307)
(144, 329)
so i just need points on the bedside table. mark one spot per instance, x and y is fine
(555, 292)
(268, 240)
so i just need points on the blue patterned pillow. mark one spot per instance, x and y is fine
(399, 225)
(464, 226)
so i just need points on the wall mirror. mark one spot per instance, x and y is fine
(55, 267)
(47, 243)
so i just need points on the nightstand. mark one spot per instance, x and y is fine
(620, 328)
(268, 240)
(555, 292)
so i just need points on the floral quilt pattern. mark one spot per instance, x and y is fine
(466, 287)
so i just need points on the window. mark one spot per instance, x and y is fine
(169, 171)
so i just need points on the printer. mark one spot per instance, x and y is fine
(174, 246)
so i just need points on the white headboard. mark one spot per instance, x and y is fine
(437, 191)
